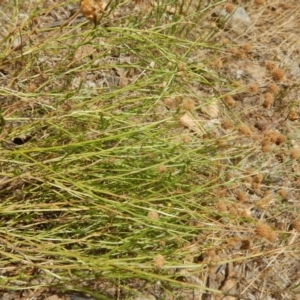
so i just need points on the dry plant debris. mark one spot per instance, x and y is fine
(91, 9)
(153, 156)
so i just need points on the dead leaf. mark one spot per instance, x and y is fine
(172, 103)
(229, 287)
(189, 121)
(211, 110)
(82, 52)
(123, 80)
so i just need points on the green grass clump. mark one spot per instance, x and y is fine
(113, 191)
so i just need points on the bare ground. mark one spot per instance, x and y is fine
(263, 65)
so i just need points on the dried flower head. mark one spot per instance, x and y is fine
(31, 87)
(246, 244)
(233, 211)
(270, 65)
(213, 25)
(172, 103)
(280, 139)
(240, 196)
(273, 88)
(158, 262)
(222, 143)
(265, 144)
(226, 123)
(258, 178)
(162, 243)
(225, 41)
(256, 186)
(234, 51)
(277, 74)
(153, 215)
(275, 137)
(282, 193)
(186, 139)
(268, 100)
(241, 53)
(294, 154)
(221, 206)
(265, 231)
(252, 88)
(188, 104)
(211, 253)
(181, 66)
(293, 115)
(229, 7)
(296, 225)
(217, 63)
(244, 129)
(161, 169)
(91, 9)
(248, 180)
(229, 100)
(247, 47)
(232, 242)
(233, 185)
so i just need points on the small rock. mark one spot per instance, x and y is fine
(239, 21)
(239, 73)
(295, 69)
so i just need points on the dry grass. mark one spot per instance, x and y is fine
(136, 163)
